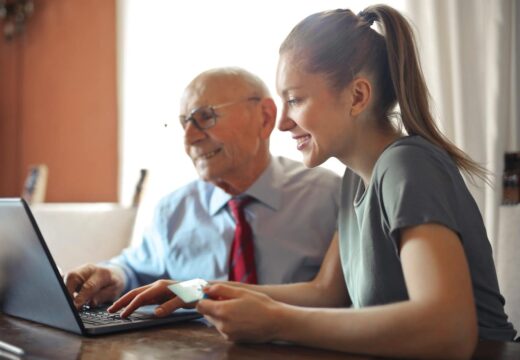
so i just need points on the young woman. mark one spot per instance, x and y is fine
(410, 273)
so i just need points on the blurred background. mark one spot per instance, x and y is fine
(86, 86)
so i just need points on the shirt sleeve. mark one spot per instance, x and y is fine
(416, 187)
(145, 263)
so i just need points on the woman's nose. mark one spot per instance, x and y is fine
(285, 123)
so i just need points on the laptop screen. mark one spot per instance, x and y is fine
(34, 289)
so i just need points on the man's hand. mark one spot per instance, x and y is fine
(155, 293)
(95, 285)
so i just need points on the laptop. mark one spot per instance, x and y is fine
(33, 288)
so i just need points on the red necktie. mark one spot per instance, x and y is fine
(242, 266)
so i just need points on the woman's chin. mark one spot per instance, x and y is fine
(312, 161)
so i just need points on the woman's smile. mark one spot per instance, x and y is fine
(302, 141)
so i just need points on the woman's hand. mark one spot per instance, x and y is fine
(155, 293)
(240, 314)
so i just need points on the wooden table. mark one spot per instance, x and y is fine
(190, 341)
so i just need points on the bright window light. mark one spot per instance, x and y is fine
(163, 44)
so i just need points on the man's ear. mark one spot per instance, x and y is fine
(361, 92)
(268, 117)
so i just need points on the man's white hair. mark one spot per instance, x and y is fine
(257, 84)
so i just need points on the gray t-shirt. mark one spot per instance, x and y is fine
(413, 183)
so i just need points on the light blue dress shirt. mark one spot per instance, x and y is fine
(293, 220)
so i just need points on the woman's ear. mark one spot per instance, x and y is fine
(268, 117)
(361, 92)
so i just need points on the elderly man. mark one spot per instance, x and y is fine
(252, 217)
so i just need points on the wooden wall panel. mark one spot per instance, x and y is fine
(68, 105)
(10, 165)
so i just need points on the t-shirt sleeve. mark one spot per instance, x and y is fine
(416, 187)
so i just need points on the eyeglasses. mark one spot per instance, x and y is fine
(205, 117)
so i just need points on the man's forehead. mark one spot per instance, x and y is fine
(211, 90)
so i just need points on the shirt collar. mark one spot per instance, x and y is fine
(267, 189)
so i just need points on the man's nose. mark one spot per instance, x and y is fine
(192, 133)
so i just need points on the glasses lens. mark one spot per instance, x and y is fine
(204, 117)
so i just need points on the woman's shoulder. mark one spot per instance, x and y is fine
(413, 152)
(414, 160)
(411, 145)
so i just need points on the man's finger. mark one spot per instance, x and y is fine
(104, 295)
(91, 286)
(73, 282)
(75, 278)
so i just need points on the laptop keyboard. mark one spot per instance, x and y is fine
(99, 316)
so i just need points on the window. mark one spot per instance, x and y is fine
(163, 44)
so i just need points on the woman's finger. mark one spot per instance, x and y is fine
(169, 306)
(223, 292)
(127, 298)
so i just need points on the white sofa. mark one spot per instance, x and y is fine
(82, 233)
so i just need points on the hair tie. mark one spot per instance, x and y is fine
(369, 17)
